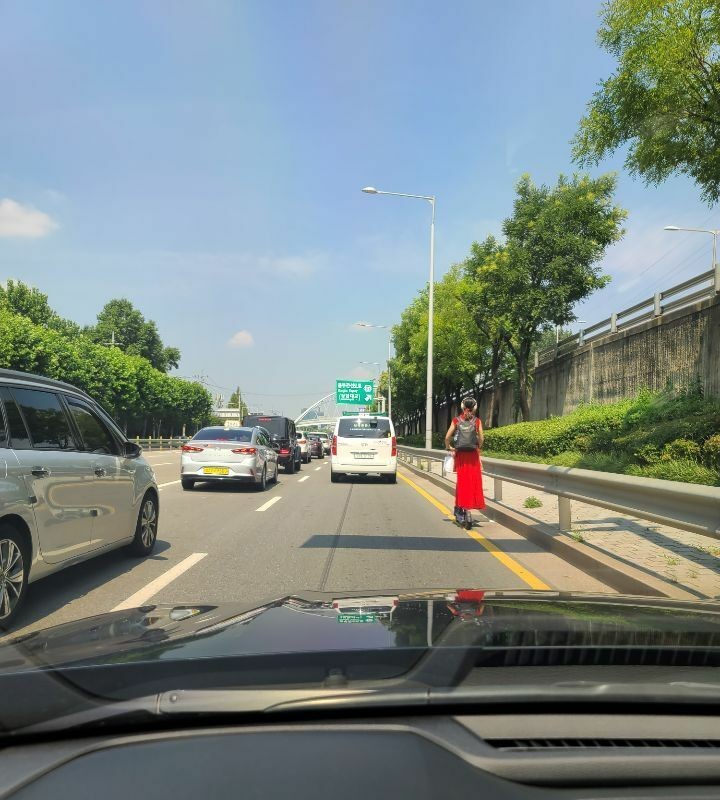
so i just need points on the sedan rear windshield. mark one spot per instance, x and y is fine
(224, 434)
(364, 428)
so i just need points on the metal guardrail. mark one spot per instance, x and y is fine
(160, 444)
(679, 505)
(680, 296)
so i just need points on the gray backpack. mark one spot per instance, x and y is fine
(466, 434)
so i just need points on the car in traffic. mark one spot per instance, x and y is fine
(316, 446)
(383, 606)
(283, 438)
(73, 485)
(364, 445)
(325, 439)
(227, 455)
(304, 445)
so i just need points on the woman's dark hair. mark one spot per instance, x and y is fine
(469, 403)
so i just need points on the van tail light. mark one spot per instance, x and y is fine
(395, 602)
(246, 451)
(284, 451)
(336, 605)
(189, 448)
(393, 451)
(333, 450)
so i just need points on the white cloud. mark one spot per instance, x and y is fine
(242, 339)
(17, 220)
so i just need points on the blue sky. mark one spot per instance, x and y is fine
(205, 160)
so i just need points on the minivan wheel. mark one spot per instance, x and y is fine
(391, 478)
(14, 564)
(187, 483)
(334, 477)
(290, 466)
(146, 528)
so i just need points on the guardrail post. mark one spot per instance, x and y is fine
(613, 322)
(657, 308)
(565, 514)
(497, 489)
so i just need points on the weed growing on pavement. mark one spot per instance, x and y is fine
(671, 561)
(532, 502)
(577, 536)
(692, 574)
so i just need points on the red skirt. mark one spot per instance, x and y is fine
(469, 488)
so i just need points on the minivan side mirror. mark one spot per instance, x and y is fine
(131, 450)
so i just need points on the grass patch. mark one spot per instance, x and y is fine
(577, 536)
(532, 502)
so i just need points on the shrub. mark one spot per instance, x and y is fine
(711, 451)
(648, 454)
(681, 449)
(583, 443)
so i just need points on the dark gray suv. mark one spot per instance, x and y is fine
(71, 485)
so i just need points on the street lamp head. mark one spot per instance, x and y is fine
(671, 228)
(370, 190)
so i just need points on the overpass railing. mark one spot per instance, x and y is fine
(687, 506)
(684, 294)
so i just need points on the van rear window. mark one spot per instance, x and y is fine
(364, 428)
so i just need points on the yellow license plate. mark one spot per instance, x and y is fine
(216, 471)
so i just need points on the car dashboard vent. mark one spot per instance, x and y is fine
(529, 745)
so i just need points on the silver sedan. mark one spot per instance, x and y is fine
(230, 455)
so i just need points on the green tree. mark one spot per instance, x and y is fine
(663, 100)
(121, 321)
(489, 313)
(19, 298)
(554, 240)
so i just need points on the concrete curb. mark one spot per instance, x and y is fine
(623, 578)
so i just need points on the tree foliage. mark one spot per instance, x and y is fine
(491, 310)
(146, 401)
(663, 100)
(120, 321)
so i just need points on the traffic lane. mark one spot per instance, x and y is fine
(109, 580)
(261, 555)
(393, 538)
(363, 535)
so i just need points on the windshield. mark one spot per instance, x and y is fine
(512, 391)
(275, 425)
(364, 428)
(224, 434)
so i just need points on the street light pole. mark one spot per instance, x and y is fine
(714, 234)
(431, 307)
(389, 356)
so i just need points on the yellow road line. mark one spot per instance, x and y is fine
(508, 561)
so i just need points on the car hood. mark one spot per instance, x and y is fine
(317, 622)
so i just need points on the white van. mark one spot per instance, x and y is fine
(364, 445)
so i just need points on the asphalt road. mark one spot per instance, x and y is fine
(220, 543)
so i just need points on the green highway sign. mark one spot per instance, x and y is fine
(355, 618)
(354, 392)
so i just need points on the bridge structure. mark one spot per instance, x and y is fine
(321, 416)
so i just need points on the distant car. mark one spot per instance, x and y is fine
(383, 606)
(283, 437)
(240, 455)
(304, 445)
(325, 439)
(364, 445)
(316, 446)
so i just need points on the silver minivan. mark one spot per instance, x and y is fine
(71, 485)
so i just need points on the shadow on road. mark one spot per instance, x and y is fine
(52, 593)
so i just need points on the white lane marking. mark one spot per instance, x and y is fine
(155, 586)
(265, 506)
(303, 479)
(317, 469)
(162, 463)
(169, 483)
